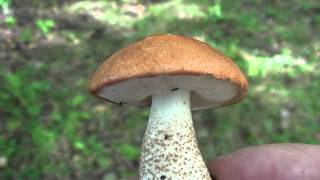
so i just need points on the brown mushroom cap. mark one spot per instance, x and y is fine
(162, 63)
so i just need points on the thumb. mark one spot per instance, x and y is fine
(274, 161)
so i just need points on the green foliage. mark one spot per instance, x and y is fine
(105, 11)
(5, 5)
(215, 10)
(43, 138)
(24, 103)
(281, 63)
(45, 25)
(187, 11)
(129, 151)
(25, 35)
(21, 100)
(10, 20)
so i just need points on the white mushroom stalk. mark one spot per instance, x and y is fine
(170, 149)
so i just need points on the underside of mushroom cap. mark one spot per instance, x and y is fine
(162, 63)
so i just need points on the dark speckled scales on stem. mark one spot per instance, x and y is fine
(170, 149)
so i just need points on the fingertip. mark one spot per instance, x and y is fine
(275, 161)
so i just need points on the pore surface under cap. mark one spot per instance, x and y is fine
(205, 91)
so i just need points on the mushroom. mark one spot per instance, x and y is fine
(174, 74)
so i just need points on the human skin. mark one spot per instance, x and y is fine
(265, 162)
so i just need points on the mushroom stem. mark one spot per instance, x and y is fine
(170, 149)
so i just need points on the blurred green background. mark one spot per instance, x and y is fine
(51, 128)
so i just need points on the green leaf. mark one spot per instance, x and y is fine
(79, 145)
(10, 21)
(50, 23)
(56, 115)
(45, 25)
(216, 9)
(5, 4)
(85, 115)
(193, 11)
(43, 138)
(77, 100)
(34, 110)
(14, 81)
